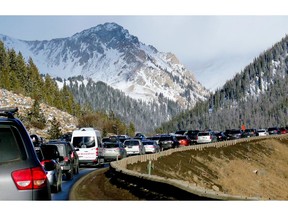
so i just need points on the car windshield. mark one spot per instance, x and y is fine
(131, 143)
(84, 142)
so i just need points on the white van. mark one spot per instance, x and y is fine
(89, 142)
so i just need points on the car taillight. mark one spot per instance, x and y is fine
(31, 178)
(72, 155)
(66, 159)
(97, 151)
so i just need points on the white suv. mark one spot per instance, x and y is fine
(134, 147)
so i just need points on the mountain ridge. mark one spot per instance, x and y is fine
(108, 53)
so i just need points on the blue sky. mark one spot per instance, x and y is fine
(195, 38)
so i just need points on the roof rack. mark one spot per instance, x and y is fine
(8, 111)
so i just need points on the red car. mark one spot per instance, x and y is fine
(183, 140)
(283, 131)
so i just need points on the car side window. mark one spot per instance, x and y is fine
(9, 150)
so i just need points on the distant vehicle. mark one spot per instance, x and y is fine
(122, 138)
(66, 136)
(70, 162)
(273, 130)
(262, 132)
(181, 132)
(206, 137)
(51, 163)
(192, 134)
(251, 132)
(139, 136)
(167, 142)
(134, 147)
(151, 146)
(88, 141)
(283, 130)
(221, 136)
(155, 138)
(22, 177)
(114, 151)
(183, 140)
(233, 134)
(36, 140)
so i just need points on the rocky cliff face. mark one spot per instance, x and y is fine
(67, 122)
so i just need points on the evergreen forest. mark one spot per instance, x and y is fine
(23, 78)
(256, 97)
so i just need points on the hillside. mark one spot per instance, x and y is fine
(255, 97)
(67, 122)
(255, 169)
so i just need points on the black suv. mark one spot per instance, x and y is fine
(167, 142)
(22, 176)
(70, 164)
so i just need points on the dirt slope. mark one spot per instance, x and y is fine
(254, 169)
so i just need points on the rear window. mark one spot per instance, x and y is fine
(50, 152)
(61, 149)
(131, 143)
(203, 134)
(84, 142)
(181, 137)
(148, 143)
(111, 145)
(9, 149)
(166, 138)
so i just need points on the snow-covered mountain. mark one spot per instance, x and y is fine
(110, 54)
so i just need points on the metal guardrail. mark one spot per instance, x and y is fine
(121, 167)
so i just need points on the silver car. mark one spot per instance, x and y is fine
(114, 151)
(206, 137)
(151, 146)
(22, 177)
(134, 147)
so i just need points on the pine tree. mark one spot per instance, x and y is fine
(55, 131)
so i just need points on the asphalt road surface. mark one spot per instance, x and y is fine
(67, 184)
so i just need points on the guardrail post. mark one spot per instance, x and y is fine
(149, 167)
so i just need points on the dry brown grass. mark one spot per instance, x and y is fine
(252, 169)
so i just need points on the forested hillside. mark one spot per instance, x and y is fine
(23, 78)
(255, 97)
(146, 116)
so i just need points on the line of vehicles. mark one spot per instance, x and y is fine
(32, 169)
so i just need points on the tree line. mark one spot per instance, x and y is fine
(255, 97)
(24, 78)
